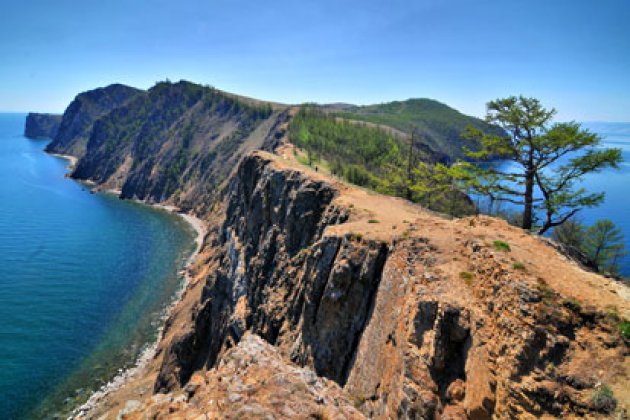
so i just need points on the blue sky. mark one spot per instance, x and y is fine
(572, 54)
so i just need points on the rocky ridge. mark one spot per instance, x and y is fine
(77, 121)
(412, 316)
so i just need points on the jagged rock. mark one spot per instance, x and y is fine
(253, 380)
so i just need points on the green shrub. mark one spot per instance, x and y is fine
(572, 304)
(357, 237)
(624, 329)
(373, 221)
(603, 399)
(467, 277)
(518, 266)
(502, 246)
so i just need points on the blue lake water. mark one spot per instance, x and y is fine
(614, 182)
(84, 279)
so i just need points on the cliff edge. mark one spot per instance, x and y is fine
(41, 126)
(314, 298)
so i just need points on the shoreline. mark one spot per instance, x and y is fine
(72, 160)
(147, 354)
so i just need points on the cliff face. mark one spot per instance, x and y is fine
(422, 320)
(41, 125)
(83, 111)
(175, 143)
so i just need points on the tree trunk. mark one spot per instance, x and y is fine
(529, 200)
(408, 194)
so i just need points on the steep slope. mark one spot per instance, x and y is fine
(439, 126)
(83, 111)
(413, 315)
(176, 143)
(41, 125)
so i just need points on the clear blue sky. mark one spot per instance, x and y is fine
(573, 54)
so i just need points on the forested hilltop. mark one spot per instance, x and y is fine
(439, 126)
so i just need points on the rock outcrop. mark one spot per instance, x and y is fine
(430, 323)
(40, 126)
(252, 380)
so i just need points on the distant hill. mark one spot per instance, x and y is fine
(41, 125)
(176, 141)
(83, 111)
(440, 126)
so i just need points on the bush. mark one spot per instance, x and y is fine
(502, 246)
(624, 329)
(518, 266)
(572, 304)
(467, 277)
(604, 400)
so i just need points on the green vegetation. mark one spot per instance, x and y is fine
(572, 304)
(534, 143)
(501, 246)
(603, 399)
(602, 243)
(373, 221)
(374, 158)
(467, 277)
(355, 237)
(439, 125)
(624, 329)
(518, 266)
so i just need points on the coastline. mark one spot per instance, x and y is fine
(72, 160)
(125, 375)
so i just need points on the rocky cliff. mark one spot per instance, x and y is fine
(83, 111)
(175, 143)
(315, 298)
(411, 315)
(41, 125)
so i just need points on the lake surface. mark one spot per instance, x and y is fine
(614, 182)
(84, 279)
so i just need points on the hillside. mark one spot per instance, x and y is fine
(375, 156)
(83, 111)
(175, 142)
(439, 126)
(41, 125)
